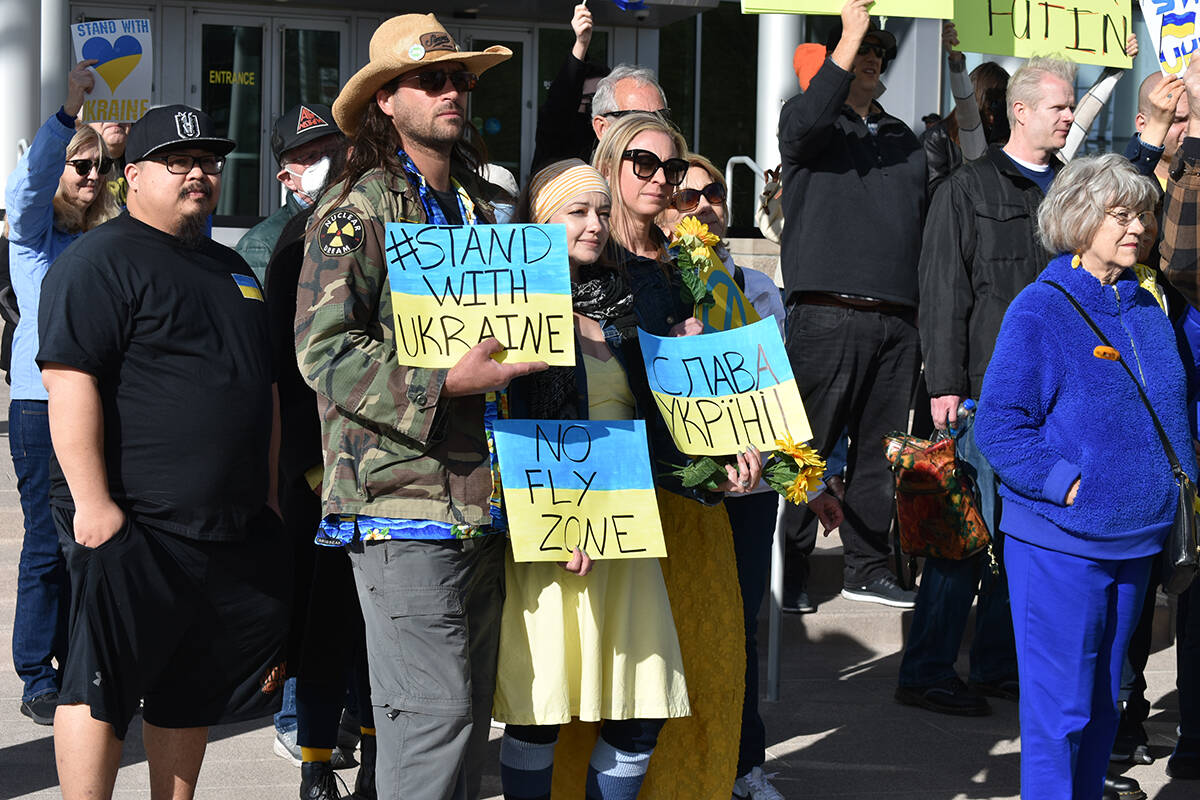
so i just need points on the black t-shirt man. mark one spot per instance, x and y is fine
(177, 338)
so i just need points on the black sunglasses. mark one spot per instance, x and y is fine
(646, 164)
(663, 113)
(688, 199)
(83, 166)
(878, 49)
(435, 80)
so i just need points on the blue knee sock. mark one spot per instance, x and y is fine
(616, 774)
(526, 769)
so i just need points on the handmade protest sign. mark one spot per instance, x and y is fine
(1173, 31)
(720, 392)
(454, 286)
(730, 308)
(932, 9)
(1084, 31)
(125, 54)
(578, 483)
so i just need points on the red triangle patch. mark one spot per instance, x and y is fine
(308, 120)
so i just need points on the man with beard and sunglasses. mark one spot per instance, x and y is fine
(155, 353)
(408, 479)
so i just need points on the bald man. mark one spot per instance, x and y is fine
(1161, 121)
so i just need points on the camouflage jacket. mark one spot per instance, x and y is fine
(393, 445)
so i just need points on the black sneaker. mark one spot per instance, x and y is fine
(950, 696)
(797, 603)
(318, 781)
(41, 708)
(1132, 745)
(364, 782)
(883, 590)
(1007, 689)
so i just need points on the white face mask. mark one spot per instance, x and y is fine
(312, 180)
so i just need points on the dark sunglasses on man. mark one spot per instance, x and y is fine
(434, 80)
(879, 50)
(688, 199)
(663, 113)
(83, 166)
(646, 164)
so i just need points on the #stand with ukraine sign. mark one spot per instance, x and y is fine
(578, 484)
(125, 64)
(1172, 25)
(454, 286)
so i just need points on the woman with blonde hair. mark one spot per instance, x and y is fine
(56, 192)
(695, 757)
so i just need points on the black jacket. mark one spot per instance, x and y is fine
(563, 132)
(853, 202)
(942, 155)
(980, 250)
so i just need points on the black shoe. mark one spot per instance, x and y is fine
(318, 781)
(883, 590)
(364, 784)
(1008, 689)
(1184, 763)
(950, 696)
(41, 708)
(1119, 787)
(797, 603)
(1132, 745)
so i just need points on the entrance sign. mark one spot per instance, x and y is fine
(1083, 31)
(578, 483)
(931, 9)
(720, 392)
(454, 286)
(1172, 25)
(125, 54)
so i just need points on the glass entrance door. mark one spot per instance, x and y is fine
(502, 107)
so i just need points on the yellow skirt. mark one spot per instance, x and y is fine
(597, 647)
(696, 756)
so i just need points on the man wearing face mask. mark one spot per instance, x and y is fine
(305, 141)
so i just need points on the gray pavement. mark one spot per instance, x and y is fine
(835, 733)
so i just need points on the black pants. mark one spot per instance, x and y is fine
(855, 370)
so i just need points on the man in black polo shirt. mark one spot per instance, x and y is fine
(155, 353)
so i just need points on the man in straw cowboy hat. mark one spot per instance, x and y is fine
(408, 474)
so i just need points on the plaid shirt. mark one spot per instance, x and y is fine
(1180, 244)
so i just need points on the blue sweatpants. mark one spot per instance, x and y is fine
(1072, 617)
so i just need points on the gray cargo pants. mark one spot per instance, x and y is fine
(432, 613)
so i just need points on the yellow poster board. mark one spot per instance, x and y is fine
(719, 392)
(930, 9)
(454, 286)
(578, 483)
(1084, 31)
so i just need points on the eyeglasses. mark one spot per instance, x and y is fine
(646, 164)
(688, 199)
(434, 80)
(663, 113)
(879, 50)
(83, 166)
(180, 164)
(1125, 217)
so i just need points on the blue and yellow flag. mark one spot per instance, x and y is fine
(720, 392)
(249, 286)
(454, 286)
(578, 483)
(1179, 25)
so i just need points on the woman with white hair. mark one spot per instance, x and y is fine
(1087, 482)
(56, 192)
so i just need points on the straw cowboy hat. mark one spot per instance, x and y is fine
(399, 45)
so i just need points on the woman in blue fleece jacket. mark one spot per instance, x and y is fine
(1087, 489)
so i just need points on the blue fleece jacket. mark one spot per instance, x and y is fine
(1052, 411)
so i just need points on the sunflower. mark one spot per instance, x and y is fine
(693, 233)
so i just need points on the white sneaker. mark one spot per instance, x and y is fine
(756, 785)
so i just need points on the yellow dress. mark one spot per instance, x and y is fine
(597, 647)
(696, 756)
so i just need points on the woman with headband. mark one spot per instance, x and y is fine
(593, 641)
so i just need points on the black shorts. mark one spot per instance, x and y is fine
(195, 631)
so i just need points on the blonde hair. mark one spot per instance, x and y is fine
(1080, 195)
(607, 160)
(1025, 85)
(70, 218)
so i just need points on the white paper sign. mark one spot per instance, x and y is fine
(125, 56)
(1173, 32)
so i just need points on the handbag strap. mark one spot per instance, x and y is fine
(1162, 434)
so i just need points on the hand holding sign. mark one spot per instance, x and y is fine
(478, 372)
(80, 82)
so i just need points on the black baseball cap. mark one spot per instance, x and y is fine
(886, 39)
(299, 125)
(171, 127)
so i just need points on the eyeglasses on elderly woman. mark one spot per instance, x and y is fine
(1125, 216)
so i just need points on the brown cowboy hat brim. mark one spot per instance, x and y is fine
(360, 90)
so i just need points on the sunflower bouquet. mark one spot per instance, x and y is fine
(794, 470)
(691, 248)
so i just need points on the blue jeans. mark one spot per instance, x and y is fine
(43, 591)
(947, 590)
(285, 720)
(752, 519)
